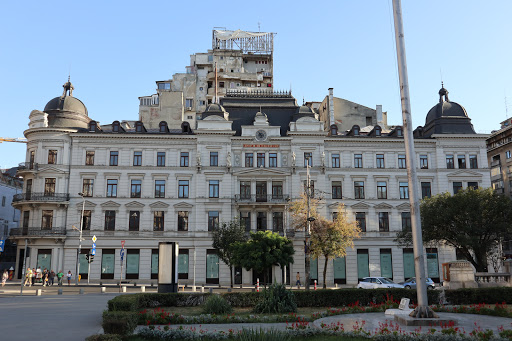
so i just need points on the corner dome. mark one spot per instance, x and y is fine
(447, 117)
(215, 109)
(304, 109)
(67, 111)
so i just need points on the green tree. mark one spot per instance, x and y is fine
(332, 238)
(264, 250)
(471, 220)
(224, 238)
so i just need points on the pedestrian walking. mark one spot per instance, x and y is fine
(33, 277)
(28, 277)
(60, 276)
(69, 277)
(51, 276)
(39, 275)
(5, 275)
(298, 280)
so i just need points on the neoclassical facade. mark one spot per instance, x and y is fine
(245, 158)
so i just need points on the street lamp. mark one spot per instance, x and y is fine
(80, 239)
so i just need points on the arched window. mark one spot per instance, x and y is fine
(334, 129)
(163, 127)
(115, 127)
(355, 130)
(378, 131)
(185, 128)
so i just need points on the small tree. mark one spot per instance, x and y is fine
(299, 208)
(264, 250)
(332, 238)
(471, 220)
(224, 237)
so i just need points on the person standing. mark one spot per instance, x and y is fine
(5, 275)
(51, 277)
(33, 277)
(28, 277)
(298, 280)
(60, 276)
(69, 277)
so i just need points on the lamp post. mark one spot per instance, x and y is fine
(80, 239)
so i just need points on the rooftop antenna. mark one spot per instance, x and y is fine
(303, 100)
(259, 30)
(441, 73)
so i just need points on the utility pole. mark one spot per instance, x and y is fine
(79, 251)
(422, 310)
(23, 271)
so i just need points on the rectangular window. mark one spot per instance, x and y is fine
(409, 271)
(132, 263)
(358, 160)
(406, 221)
(158, 221)
(424, 161)
(363, 265)
(426, 190)
(380, 161)
(107, 263)
(111, 188)
(134, 221)
(249, 160)
(47, 221)
(160, 159)
(154, 263)
(183, 189)
(214, 159)
(114, 158)
(213, 220)
(277, 221)
(245, 189)
(49, 186)
(212, 267)
(188, 102)
(89, 158)
(383, 222)
(159, 188)
(52, 157)
(308, 159)
(473, 162)
(214, 188)
(432, 264)
(137, 158)
(335, 159)
(402, 163)
(404, 190)
(245, 219)
(86, 220)
(336, 190)
(261, 191)
(184, 159)
(272, 159)
(339, 268)
(457, 186)
(361, 220)
(110, 220)
(87, 187)
(449, 162)
(261, 221)
(183, 264)
(386, 263)
(473, 185)
(461, 160)
(382, 190)
(359, 189)
(260, 159)
(26, 217)
(277, 190)
(135, 189)
(182, 220)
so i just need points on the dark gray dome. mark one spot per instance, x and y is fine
(304, 109)
(214, 107)
(67, 111)
(67, 103)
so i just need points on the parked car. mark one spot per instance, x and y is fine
(377, 282)
(411, 283)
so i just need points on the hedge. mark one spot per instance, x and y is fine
(119, 322)
(318, 298)
(481, 295)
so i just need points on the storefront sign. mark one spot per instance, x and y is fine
(261, 145)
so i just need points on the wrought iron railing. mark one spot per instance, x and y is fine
(262, 198)
(43, 197)
(27, 166)
(38, 231)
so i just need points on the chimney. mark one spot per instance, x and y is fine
(379, 115)
(331, 107)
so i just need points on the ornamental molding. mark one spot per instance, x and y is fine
(361, 205)
(183, 205)
(159, 204)
(464, 174)
(88, 204)
(110, 204)
(404, 206)
(134, 204)
(383, 206)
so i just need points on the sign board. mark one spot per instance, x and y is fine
(93, 245)
(94, 239)
(404, 304)
(122, 244)
(2, 245)
(93, 252)
(121, 253)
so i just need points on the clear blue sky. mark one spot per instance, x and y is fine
(118, 49)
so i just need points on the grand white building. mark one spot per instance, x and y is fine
(246, 158)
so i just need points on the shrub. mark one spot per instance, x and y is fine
(480, 295)
(242, 299)
(276, 299)
(263, 335)
(216, 304)
(104, 337)
(119, 322)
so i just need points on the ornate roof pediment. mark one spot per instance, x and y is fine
(361, 205)
(88, 204)
(134, 204)
(110, 203)
(159, 204)
(183, 205)
(404, 206)
(383, 205)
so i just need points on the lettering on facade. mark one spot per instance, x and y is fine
(261, 146)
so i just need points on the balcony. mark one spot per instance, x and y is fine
(495, 163)
(38, 232)
(27, 167)
(262, 198)
(40, 197)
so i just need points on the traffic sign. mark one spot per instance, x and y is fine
(94, 239)
(122, 254)
(93, 252)
(1, 245)
(93, 245)
(122, 244)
